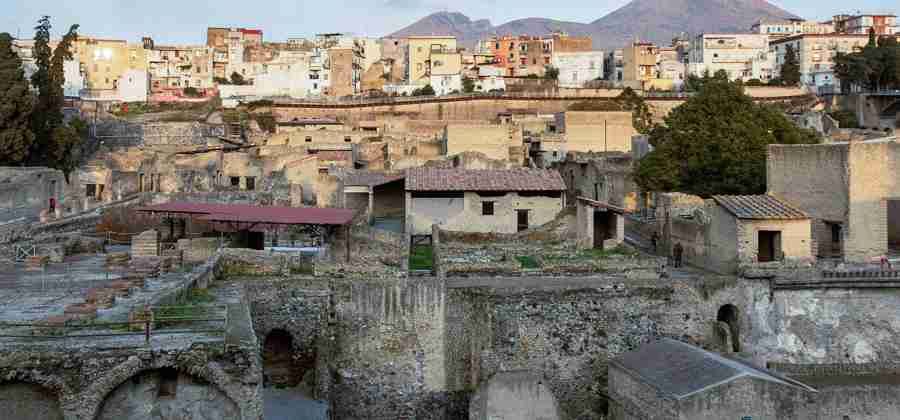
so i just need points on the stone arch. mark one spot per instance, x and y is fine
(728, 328)
(21, 400)
(167, 394)
(278, 359)
(101, 389)
(287, 361)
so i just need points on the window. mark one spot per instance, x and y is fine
(308, 139)
(235, 181)
(348, 139)
(487, 208)
(251, 183)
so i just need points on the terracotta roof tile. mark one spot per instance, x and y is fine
(370, 178)
(759, 207)
(436, 179)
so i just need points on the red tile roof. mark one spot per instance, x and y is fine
(436, 179)
(256, 214)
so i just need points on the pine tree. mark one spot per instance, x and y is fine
(15, 106)
(40, 80)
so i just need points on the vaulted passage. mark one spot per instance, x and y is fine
(279, 369)
(22, 401)
(166, 394)
(728, 329)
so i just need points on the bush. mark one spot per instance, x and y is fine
(847, 119)
(192, 92)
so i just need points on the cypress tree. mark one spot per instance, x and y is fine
(15, 106)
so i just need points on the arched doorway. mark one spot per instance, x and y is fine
(289, 380)
(728, 328)
(279, 369)
(24, 401)
(167, 394)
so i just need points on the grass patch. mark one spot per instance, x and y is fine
(421, 257)
(193, 306)
(528, 262)
(592, 254)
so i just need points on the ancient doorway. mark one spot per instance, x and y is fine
(289, 380)
(605, 226)
(278, 360)
(23, 401)
(769, 246)
(728, 329)
(167, 394)
(521, 220)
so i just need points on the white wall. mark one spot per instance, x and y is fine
(444, 85)
(133, 86)
(576, 68)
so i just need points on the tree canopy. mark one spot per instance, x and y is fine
(716, 143)
(876, 66)
(551, 73)
(15, 106)
(790, 69)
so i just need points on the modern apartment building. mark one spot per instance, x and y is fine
(419, 56)
(789, 27)
(742, 56)
(816, 53)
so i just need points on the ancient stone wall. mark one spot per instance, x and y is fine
(90, 383)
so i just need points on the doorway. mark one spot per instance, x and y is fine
(521, 220)
(893, 224)
(605, 227)
(729, 328)
(769, 246)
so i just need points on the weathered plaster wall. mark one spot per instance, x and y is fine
(796, 239)
(816, 179)
(494, 141)
(465, 214)
(596, 131)
(873, 177)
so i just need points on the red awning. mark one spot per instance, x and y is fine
(243, 213)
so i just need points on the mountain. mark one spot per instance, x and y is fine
(660, 20)
(652, 20)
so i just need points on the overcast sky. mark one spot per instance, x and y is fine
(185, 21)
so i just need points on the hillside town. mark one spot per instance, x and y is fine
(419, 226)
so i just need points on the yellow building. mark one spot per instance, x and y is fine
(640, 62)
(421, 49)
(105, 61)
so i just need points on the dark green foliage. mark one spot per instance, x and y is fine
(551, 73)
(790, 70)
(877, 66)
(628, 100)
(424, 91)
(15, 106)
(847, 119)
(221, 81)
(468, 85)
(192, 92)
(421, 257)
(695, 83)
(237, 79)
(715, 143)
(55, 143)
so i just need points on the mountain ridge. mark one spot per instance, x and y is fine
(652, 20)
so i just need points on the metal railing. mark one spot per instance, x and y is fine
(154, 324)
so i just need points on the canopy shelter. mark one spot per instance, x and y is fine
(247, 218)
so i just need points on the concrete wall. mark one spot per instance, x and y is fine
(465, 214)
(596, 131)
(494, 141)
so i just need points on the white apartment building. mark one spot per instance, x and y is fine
(71, 68)
(742, 56)
(815, 54)
(882, 24)
(577, 68)
(789, 27)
